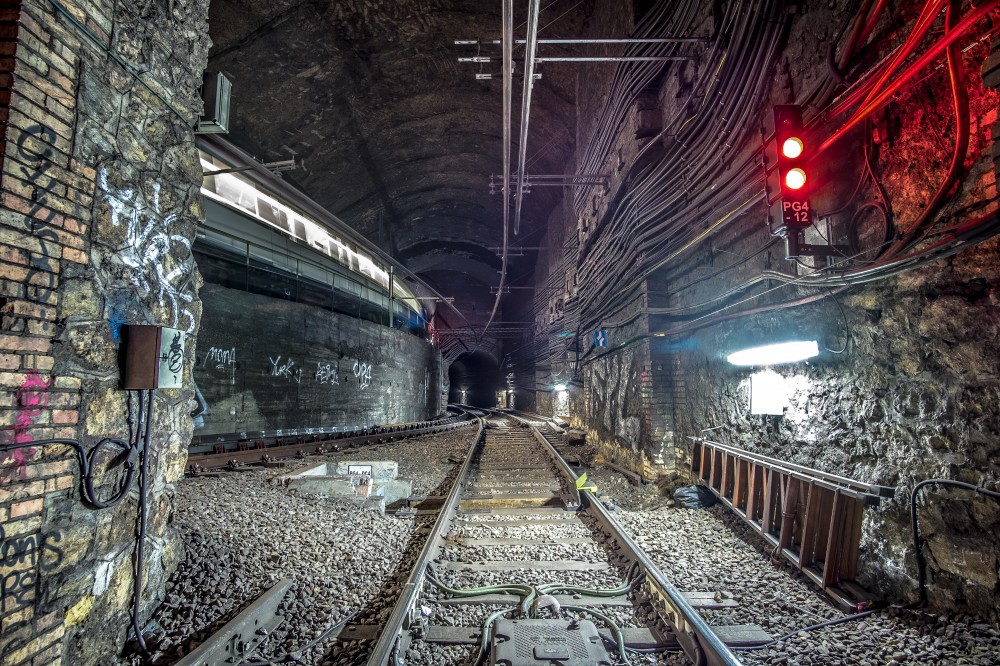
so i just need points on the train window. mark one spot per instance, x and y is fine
(271, 213)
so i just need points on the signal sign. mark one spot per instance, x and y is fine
(785, 156)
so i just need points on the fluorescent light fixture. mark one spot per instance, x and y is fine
(783, 352)
(560, 387)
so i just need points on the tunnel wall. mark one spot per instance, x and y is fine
(100, 203)
(266, 364)
(913, 394)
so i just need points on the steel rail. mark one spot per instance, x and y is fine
(695, 637)
(401, 612)
(380, 435)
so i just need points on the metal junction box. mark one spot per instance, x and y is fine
(154, 357)
(215, 93)
(547, 642)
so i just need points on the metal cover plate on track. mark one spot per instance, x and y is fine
(710, 600)
(244, 633)
(544, 642)
(741, 635)
(510, 501)
(538, 565)
(573, 599)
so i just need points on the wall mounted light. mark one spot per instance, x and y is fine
(560, 388)
(783, 352)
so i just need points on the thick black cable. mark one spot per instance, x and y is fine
(812, 627)
(918, 543)
(294, 655)
(143, 425)
(847, 327)
(88, 492)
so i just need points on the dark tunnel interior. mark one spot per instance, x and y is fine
(474, 380)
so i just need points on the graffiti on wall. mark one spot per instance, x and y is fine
(31, 400)
(21, 557)
(36, 167)
(363, 371)
(285, 369)
(220, 358)
(327, 373)
(158, 262)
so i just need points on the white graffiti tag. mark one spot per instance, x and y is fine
(363, 371)
(158, 262)
(326, 374)
(220, 358)
(279, 369)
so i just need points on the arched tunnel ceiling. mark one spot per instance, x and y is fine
(397, 137)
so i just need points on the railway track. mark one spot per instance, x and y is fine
(268, 448)
(520, 564)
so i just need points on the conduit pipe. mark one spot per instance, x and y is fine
(960, 103)
(507, 28)
(704, 138)
(530, 54)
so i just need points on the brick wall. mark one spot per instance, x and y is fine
(9, 14)
(97, 172)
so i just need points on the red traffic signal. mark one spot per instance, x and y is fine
(792, 147)
(795, 179)
(786, 153)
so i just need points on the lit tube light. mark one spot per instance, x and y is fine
(783, 352)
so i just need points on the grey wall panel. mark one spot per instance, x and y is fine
(265, 364)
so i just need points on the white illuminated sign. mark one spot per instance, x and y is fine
(768, 393)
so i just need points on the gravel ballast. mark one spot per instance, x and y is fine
(242, 533)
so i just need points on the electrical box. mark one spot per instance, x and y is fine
(545, 642)
(216, 90)
(154, 357)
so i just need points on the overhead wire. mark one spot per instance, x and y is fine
(508, 73)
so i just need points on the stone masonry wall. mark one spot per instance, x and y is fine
(100, 203)
(306, 367)
(913, 394)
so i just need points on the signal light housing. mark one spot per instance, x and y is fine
(785, 156)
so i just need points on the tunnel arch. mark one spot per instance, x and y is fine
(474, 379)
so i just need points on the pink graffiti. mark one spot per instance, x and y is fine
(32, 399)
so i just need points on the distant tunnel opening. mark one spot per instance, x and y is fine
(475, 380)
